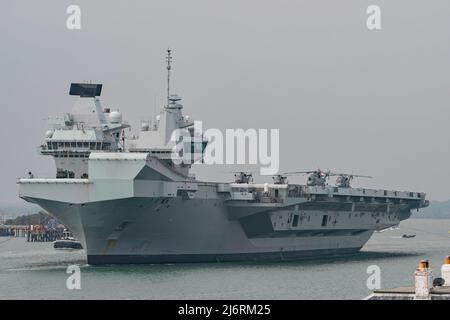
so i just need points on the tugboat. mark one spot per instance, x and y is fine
(67, 242)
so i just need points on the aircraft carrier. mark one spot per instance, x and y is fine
(128, 202)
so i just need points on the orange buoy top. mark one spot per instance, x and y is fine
(447, 260)
(423, 264)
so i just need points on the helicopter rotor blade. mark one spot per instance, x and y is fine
(361, 176)
(298, 172)
(243, 171)
(349, 175)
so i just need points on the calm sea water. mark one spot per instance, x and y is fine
(37, 271)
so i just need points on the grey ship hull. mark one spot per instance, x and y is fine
(133, 231)
(140, 206)
(123, 215)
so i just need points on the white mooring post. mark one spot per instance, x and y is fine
(423, 278)
(445, 271)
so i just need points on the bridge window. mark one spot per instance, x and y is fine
(324, 220)
(295, 221)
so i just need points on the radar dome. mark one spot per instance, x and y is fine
(115, 117)
(49, 134)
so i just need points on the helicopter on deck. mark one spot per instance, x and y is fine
(243, 177)
(343, 180)
(315, 178)
(319, 178)
(280, 179)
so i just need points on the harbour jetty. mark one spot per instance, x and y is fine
(42, 234)
(38, 227)
(32, 233)
(13, 230)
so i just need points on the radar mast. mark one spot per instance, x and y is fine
(169, 66)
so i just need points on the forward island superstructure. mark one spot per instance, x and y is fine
(128, 202)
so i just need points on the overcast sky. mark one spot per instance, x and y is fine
(344, 98)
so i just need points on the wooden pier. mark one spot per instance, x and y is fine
(35, 233)
(13, 230)
(44, 235)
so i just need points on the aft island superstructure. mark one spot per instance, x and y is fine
(128, 202)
